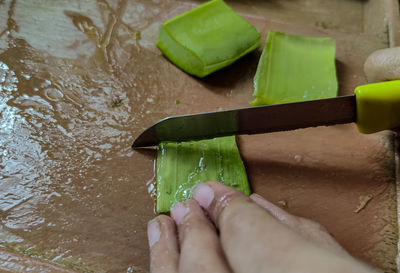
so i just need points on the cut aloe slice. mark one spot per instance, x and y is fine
(295, 68)
(207, 38)
(181, 165)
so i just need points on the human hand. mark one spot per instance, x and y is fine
(383, 65)
(222, 230)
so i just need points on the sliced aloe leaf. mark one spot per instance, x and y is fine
(295, 68)
(181, 165)
(207, 38)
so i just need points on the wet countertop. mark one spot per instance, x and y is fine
(80, 80)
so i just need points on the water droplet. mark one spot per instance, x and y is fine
(298, 158)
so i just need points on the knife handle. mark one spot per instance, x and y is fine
(378, 106)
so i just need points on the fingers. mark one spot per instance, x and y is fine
(255, 241)
(249, 234)
(251, 238)
(311, 230)
(163, 242)
(199, 243)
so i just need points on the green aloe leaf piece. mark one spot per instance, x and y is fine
(181, 165)
(295, 68)
(207, 38)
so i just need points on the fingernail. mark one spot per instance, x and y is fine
(153, 232)
(204, 195)
(178, 211)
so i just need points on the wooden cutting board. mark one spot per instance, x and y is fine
(80, 80)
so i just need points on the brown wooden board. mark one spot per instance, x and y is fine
(80, 80)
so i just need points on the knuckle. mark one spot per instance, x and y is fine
(194, 220)
(233, 214)
(226, 202)
(166, 223)
(164, 218)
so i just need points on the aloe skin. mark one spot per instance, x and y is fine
(181, 165)
(295, 68)
(207, 38)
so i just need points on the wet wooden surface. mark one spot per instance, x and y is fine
(79, 80)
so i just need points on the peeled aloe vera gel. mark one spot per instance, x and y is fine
(207, 38)
(295, 68)
(181, 165)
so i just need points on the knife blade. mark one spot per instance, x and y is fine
(374, 107)
(252, 120)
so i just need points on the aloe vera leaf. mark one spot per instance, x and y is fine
(295, 68)
(181, 165)
(207, 38)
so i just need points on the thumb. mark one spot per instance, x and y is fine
(383, 65)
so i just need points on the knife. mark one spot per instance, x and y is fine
(373, 107)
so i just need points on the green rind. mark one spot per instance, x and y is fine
(207, 38)
(182, 165)
(295, 68)
(179, 55)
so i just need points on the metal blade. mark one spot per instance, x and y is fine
(252, 120)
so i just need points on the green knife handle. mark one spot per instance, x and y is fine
(378, 106)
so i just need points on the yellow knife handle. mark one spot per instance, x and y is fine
(378, 106)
